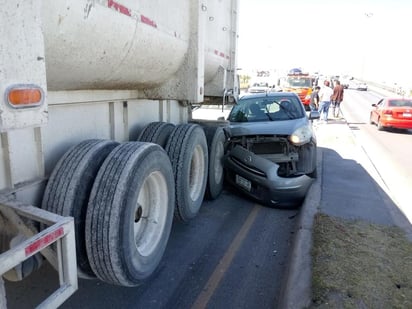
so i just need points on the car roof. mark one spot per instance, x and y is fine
(269, 95)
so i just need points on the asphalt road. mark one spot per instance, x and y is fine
(232, 255)
(390, 151)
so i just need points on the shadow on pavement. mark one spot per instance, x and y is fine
(344, 189)
(348, 191)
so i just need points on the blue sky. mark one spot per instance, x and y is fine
(360, 38)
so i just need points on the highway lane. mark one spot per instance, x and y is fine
(232, 255)
(389, 151)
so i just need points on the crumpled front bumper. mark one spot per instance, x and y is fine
(265, 185)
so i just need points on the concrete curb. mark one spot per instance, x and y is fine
(296, 292)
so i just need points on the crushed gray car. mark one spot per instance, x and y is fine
(271, 148)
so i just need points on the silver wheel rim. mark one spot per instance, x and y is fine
(218, 168)
(150, 213)
(197, 170)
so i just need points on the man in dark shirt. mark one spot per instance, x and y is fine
(314, 99)
(337, 98)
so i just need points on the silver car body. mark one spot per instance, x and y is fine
(262, 158)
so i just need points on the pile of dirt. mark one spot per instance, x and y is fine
(360, 265)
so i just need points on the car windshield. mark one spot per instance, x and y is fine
(299, 82)
(266, 109)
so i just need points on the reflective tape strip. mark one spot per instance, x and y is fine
(44, 241)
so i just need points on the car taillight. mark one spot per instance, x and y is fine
(387, 112)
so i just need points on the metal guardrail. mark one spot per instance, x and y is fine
(388, 90)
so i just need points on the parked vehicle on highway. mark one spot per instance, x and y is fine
(300, 83)
(392, 113)
(259, 88)
(271, 151)
(345, 81)
(361, 86)
(99, 155)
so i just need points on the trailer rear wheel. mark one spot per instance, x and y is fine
(68, 188)
(130, 213)
(3, 300)
(156, 132)
(187, 150)
(216, 145)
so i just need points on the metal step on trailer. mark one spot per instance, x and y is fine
(60, 231)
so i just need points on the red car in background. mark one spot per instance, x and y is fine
(392, 113)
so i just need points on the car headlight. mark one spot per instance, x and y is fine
(301, 136)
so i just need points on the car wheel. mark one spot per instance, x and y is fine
(314, 174)
(371, 120)
(380, 126)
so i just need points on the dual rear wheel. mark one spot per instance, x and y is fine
(123, 196)
(122, 202)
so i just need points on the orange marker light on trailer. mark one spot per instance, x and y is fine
(23, 96)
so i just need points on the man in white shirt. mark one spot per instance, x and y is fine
(325, 94)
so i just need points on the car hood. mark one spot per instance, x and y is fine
(284, 127)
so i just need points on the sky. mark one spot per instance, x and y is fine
(368, 39)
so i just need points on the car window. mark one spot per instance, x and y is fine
(299, 82)
(266, 109)
(400, 103)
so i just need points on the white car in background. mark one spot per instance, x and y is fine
(357, 85)
(361, 86)
(259, 88)
(346, 81)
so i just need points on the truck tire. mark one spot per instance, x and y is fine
(130, 213)
(187, 150)
(156, 132)
(216, 146)
(68, 188)
(3, 300)
(212, 123)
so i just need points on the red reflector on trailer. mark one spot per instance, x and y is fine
(44, 241)
(21, 96)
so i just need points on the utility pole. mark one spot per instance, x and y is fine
(368, 15)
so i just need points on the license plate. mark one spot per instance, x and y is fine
(243, 182)
(407, 115)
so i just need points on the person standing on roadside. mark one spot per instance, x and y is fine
(337, 98)
(325, 93)
(314, 99)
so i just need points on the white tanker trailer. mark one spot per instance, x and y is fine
(99, 151)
